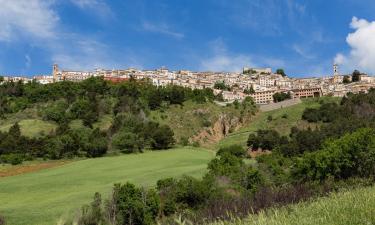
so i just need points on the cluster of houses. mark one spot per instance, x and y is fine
(259, 83)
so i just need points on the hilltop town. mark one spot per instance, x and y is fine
(259, 83)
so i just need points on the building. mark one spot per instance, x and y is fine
(263, 97)
(307, 92)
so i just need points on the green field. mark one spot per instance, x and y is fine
(278, 123)
(355, 207)
(48, 195)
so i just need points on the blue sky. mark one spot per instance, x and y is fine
(302, 36)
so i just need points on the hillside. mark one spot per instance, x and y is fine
(349, 208)
(282, 120)
(43, 197)
(204, 123)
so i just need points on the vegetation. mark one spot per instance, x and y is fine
(346, 79)
(307, 164)
(281, 72)
(222, 86)
(300, 153)
(279, 123)
(249, 91)
(348, 207)
(356, 76)
(47, 196)
(68, 115)
(279, 97)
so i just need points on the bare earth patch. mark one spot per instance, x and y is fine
(28, 168)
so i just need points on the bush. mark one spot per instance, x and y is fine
(127, 142)
(236, 150)
(184, 141)
(350, 156)
(13, 159)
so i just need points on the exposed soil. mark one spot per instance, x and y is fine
(21, 169)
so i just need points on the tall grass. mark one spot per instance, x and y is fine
(353, 207)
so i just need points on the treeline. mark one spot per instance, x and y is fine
(128, 103)
(16, 96)
(339, 153)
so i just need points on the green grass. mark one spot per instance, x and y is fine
(32, 127)
(354, 207)
(278, 123)
(45, 196)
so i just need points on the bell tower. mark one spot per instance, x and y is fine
(336, 75)
(55, 70)
(335, 70)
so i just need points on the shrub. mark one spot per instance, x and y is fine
(13, 159)
(127, 142)
(184, 141)
(350, 156)
(236, 150)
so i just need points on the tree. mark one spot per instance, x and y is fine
(281, 72)
(162, 138)
(127, 142)
(249, 91)
(356, 76)
(15, 131)
(135, 205)
(221, 86)
(1, 79)
(346, 79)
(97, 144)
(279, 97)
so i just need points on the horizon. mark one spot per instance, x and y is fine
(305, 38)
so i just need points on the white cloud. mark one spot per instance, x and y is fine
(37, 23)
(221, 59)
(303, 50)
(98, 6)
(27, 61)
(161, 28)
(32, 18)
(362, 44)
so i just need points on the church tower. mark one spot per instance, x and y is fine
(335, 70)
(54, 72)
(336, 75)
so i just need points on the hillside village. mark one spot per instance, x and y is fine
(259, 83)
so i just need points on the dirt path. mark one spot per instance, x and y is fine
(28, 168)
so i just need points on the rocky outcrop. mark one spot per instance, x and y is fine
(223, 126)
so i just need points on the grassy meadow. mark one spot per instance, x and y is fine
(48, 195)
(356, 207)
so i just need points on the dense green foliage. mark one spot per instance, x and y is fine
(281, 72)
(279, 97)
(128, 103)
(353, 155)
(222, 86)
